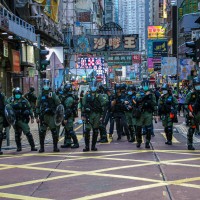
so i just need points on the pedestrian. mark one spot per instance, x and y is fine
(69, 104)
(46, 105)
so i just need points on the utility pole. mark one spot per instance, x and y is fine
(39, 74)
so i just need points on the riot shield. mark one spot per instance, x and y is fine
(59, 115)
(10, 114)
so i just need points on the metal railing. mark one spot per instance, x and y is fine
(17, 25)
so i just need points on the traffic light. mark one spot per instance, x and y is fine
(194, 53)
(43, 60)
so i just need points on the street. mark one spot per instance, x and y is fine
(118, 170)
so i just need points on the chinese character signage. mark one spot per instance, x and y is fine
(97, 64)
(136, 58)
(156, 32)
(120, 60)
(168, 66)
(98, 43)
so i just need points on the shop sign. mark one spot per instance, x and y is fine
(168, 66)
(16, 61)
(157, 48)
(120, 60)
(5, 49)
(136, 58)
(156, 32)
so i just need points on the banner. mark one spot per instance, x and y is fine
(168, 66)
(186, 65)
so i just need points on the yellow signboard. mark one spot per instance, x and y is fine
(155, 32)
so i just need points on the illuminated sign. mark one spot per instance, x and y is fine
(156, 32)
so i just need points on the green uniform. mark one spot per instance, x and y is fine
(46, 105)
(92, 110)
(167, 107)
(69, 103)
(31, 97)
(145, 106)
(23, 112)
(192, 104)
(2, 117)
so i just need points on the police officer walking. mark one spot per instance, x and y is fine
(23, 112)
(119, 107)
(2, 116)
(145, 106)
(69, 104)
(46, 105)
(31, 97)
(192, 107)
(92, 113)
(167, 110)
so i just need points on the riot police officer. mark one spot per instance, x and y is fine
(23, 112)
(145, 106)
(130, 104)
(2, 116)
(192, 106)
(119, 107)
(31, 97)
(92, 113)
(70, 112)
(167, 110)
(46, 105)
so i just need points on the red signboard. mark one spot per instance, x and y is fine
(136, 58)
(16, 61)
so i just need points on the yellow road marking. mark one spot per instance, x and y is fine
(174, 140)
(22, 197)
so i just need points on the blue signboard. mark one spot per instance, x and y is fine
(157, 48)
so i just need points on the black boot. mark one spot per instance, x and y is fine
(147, 146)
(191, 147)
(75, 140)
(31, 141)
(138, 136)
(1, 140)
(18, 141)
(94, 140)
(67, 140)
(170, 135)
(131, 130)
(87, 141)
(42, 138)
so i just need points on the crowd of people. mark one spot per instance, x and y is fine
(133, 110)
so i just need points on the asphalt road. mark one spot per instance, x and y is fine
(117, 171)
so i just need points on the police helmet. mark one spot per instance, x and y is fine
(131, 87)
(118, 87)
(17, 90)
(67, 87)
(32, 89)
(165, 86)
(196, 81)
(93, 89)
(123, 86)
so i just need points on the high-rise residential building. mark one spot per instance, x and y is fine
(132, 18)
(116, 11)
(108, 10)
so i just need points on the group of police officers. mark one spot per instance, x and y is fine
(133, 109)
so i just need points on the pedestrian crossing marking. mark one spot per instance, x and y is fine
(174, 140)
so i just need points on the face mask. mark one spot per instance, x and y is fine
(164, 91)
(145, 88)
(18, 96)
(197, 87)
(130, 92)
(46, 87)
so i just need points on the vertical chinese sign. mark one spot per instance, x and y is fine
(16, 61)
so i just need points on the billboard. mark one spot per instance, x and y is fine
(99, 43)
(168, 66)
(120, 60)
(157, 48)
(186, 65)
(156, 32)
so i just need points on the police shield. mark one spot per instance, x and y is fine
(10, 114)
(59, 115)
